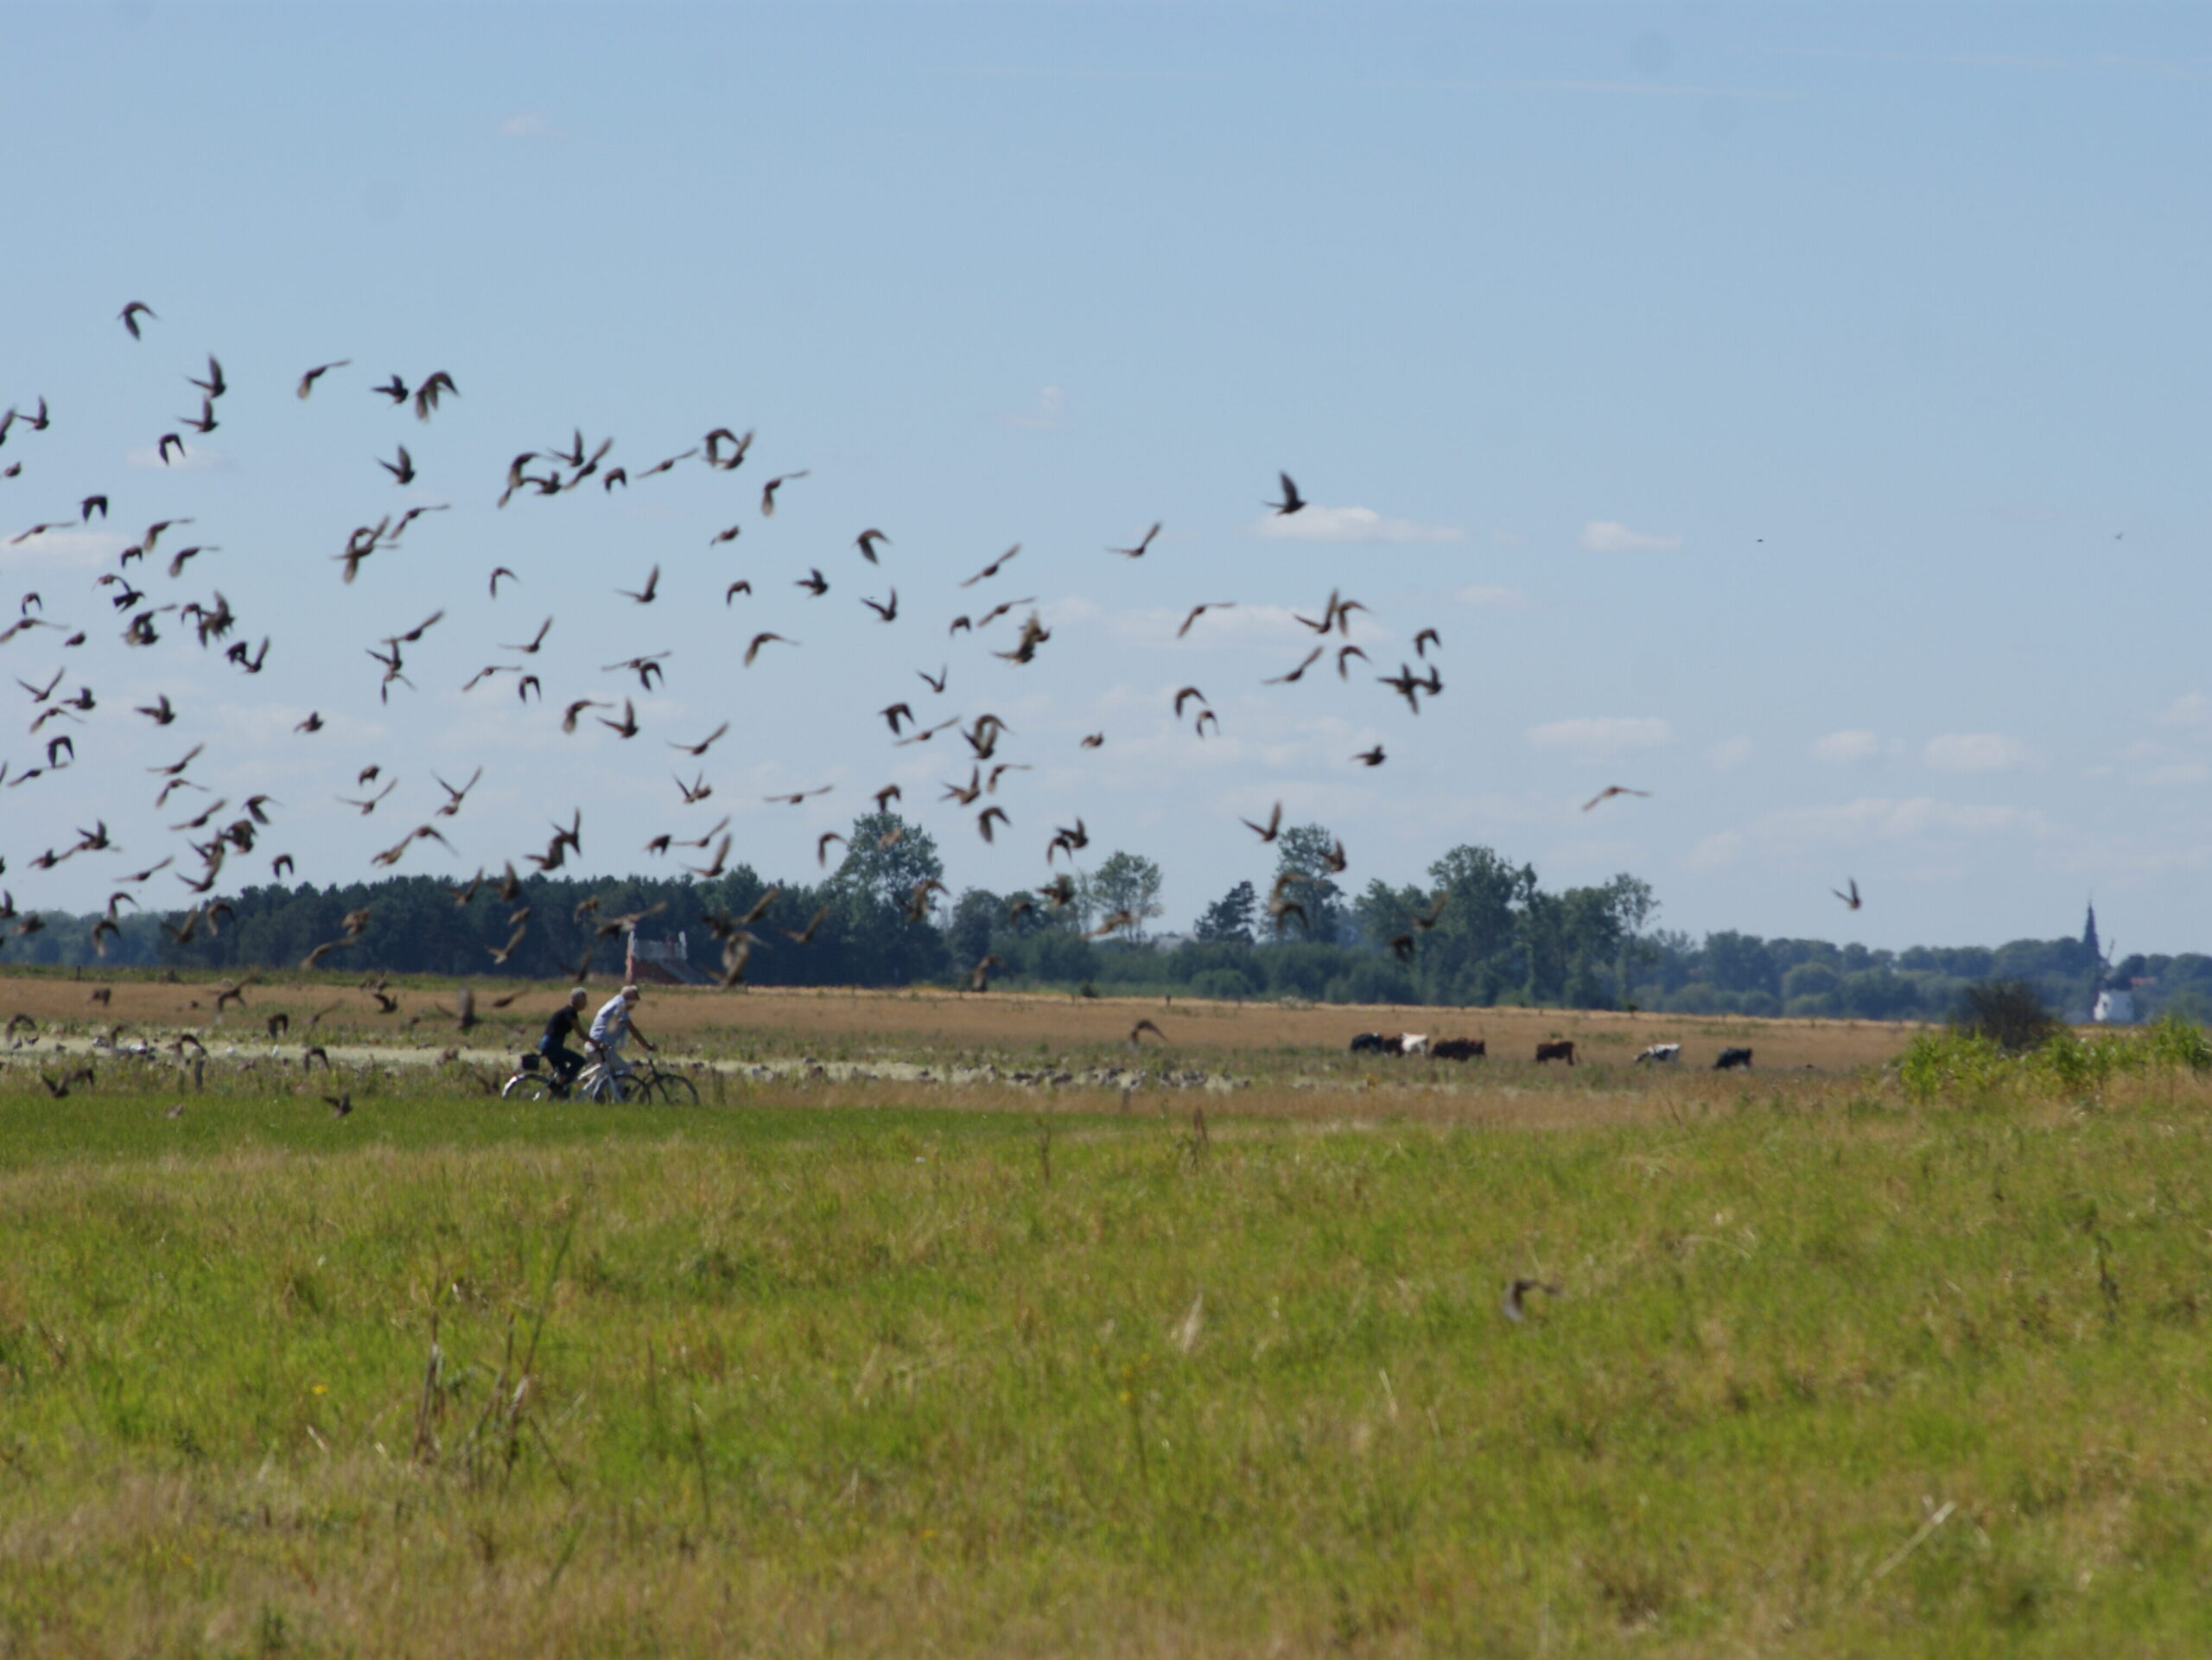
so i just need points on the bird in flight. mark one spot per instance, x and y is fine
(1514, 1307)
(644, 596)
(1143, 542)
(1851, 900)
(866, 542)
(1290, 502)
(1271, 830)
(308, 380)
(993, 568)
(1197, 611)
(1608, 793)
(130, 314)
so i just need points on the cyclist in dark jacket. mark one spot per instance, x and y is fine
(566, 1022)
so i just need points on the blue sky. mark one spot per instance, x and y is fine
(1795, 412)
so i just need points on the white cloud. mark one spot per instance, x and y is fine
(528, 124)
(1977, 752)
(57, 549)
(1050, 414)
(2191, 709)
(1728, 754)
(1840, 747)
(1609, 536)
(1317, 523)
(1826, 829)
(1495, 598)
(1602, 737)
(2180, 771)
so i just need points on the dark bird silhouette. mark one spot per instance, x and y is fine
(1143, 542)
(170, 439)
(395, 389)
(735, 589)
(204, 421)
(1197, 611)
(814, 583)
(1608, 793)
(1271, 830)
(886, 610)
(130, 314)
(1290, 502)
(427, 394)
(1297, 673)
(85, 507)
(936, 684)
(498, 571)
(214, 386)
(1423, 640)
(704, 744)
(341, 1105)
(308, 380)
(768, 491)
(1137, 1032)
(993, 568)
(627, 726)
(402, 470)
(1515, 1307)
(1850, 899)
(759, 640)
(1093, 741)
(1186, 693)
(729, 535)
(866, 542)
(644, 596)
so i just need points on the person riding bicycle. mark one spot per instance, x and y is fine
(610, 1029)
(567, 1021)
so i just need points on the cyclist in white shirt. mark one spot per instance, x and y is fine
(610, 1029)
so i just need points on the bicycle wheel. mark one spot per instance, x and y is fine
(528, 1086)
(597, 1084)
(676, 1089)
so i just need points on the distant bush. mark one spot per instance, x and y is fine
(2008, 1012)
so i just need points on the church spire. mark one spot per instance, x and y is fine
(2089, 936)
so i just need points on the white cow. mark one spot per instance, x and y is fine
(1661, 1053)
(1412, 1043)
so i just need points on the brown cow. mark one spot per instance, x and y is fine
(1556, 1049)
(1459, 1048)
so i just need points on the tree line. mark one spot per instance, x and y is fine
(1483, 931)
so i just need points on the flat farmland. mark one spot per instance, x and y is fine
(1212, 1350)
(905, 1022)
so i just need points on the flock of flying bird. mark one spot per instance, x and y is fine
(213, 843)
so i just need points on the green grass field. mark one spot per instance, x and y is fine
(1835, 1370)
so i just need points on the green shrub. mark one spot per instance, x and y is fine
(2009, 1013)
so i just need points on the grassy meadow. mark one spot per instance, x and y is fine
(1845, 1361)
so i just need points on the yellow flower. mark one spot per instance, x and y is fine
(321, 1389)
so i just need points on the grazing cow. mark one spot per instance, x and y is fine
(1556, 1049)
(1374, 1043)
(1730, 1059)
(1661, 1054)
(1460, 1048)
(1412, 1043)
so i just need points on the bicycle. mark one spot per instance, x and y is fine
(648, 1081)
(645, 1081)
(532, 1082)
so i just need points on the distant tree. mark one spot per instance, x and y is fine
(976, 916)
(1124, 882)
(1305, 851)
(892, 873)
(1229, 920)
(2010, 1012)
